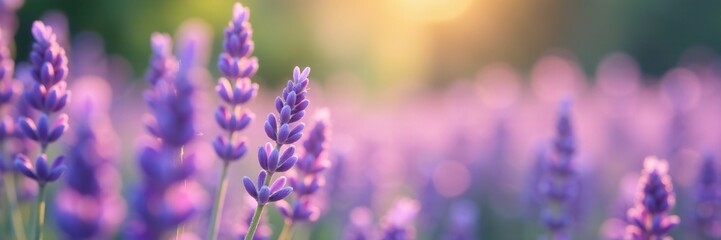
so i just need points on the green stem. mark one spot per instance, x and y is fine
(15, 217)
(40, 220)
(287, 232)
(254, 222)
(258, 210)
(219, 200)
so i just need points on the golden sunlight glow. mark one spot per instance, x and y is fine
(433, 10)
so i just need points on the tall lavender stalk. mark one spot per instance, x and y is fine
(48, 95)
(165, 165)
(7, 68)
(307, 179)
(235, 89)
(559, 184)
(283, 129)
(649, 218)
(89, 205)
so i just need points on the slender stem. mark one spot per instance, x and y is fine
(219, 200)
(254, 222)
(40, 220)
(256, 216)
(15, 217)
(287, 232)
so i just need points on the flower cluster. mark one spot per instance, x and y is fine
(235, 87)
(308, 178)
(291, 107)
(89, 205)
(649, 218)
(164, 202)
(559, 185)
(283, 130)
(48, 94)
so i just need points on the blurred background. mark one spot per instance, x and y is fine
(452, 103)
(399, 44)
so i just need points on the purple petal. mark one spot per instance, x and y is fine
(278, 183)
(250, 188)
(22, 164)
(280, 194)
(287, 164)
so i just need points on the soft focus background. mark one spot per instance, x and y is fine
(448, 102)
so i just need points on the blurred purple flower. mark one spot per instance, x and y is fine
(308, 178)
(163, 65)
(398, 223)
(649, 218)
(707, 197)
(462, 222)
(165, 200)
(89, 205)
(559, 184)
(360, 226)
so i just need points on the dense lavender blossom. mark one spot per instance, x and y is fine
(291, 107)
(48, 95)
(163, 65)
(233, 88)
(649, 218)
(164, 202)
(707, 197)
(398, 223)
(559, 185)
(308, 178)
(89, 205)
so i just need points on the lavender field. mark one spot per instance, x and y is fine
(384, 120)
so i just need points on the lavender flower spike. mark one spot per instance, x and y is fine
(308, 178)
(283, 129)
(235, 89)
(167, 168)
(559, 184)
(649, 218)
(48, 95)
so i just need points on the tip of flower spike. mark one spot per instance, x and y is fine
(654, 164)
(42, 32)
(240, 12)
(161, 43)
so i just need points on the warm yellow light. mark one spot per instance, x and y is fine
(433, 10)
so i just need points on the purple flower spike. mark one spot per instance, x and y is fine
(40, 171)
(235, 88)
(48, 94)
(308, 178)
(166, 200)
(649, 218)
(559, 184)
